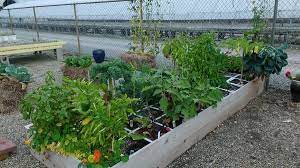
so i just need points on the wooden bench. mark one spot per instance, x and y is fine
(9, 50)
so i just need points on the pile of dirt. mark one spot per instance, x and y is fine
(12, 92)
(75, 73)
(139, 60)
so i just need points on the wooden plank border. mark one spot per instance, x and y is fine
(163, 151)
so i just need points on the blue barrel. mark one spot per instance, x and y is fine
(99, 56)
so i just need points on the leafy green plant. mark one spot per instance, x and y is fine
(233, 64)
(19, 73)
(114, 69)
(82, 62)
(247, 48)
(198, 56)
(181, 97)
(2, 68)
(134, 86)
(268, 61)
(79, 119)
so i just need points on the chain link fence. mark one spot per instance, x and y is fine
(107, 24)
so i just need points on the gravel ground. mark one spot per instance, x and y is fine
(264, 134)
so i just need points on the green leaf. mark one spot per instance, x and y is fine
(137, 137)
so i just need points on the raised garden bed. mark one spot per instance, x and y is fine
(139, 59)
(12, 91)
(77, 67)
(75, 72)
(13, 86)
(165, 144)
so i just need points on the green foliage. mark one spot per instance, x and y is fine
(244, 46)
(133, 87)
(76, 118)
(19, 73)
(82, 62)
(269, 61)
(2, 68)
(199, 57)
(114, 69)
(181, 97)
(233, 64)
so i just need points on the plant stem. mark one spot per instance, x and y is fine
(141, 18)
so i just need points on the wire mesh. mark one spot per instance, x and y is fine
(107, 25)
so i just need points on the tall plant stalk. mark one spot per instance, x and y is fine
(145, 40)
(141, 28)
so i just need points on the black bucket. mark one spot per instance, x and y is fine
(99, 56)
(295, 91)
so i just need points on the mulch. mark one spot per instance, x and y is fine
(12, 92)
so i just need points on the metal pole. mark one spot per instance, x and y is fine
(77, 29)
(36, 25)
(11, 22)
(274, 22)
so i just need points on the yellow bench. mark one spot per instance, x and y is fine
(12, 49)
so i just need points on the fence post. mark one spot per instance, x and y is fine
(77, 29)
(11, 22)
(36, 25)
(274, 22)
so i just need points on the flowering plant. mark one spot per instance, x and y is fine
(293, 75)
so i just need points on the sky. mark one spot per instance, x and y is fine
(176, 9)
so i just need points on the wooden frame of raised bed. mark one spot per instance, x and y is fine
(161, 152)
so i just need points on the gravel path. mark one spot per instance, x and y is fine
(264, 134)
(12, 125)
